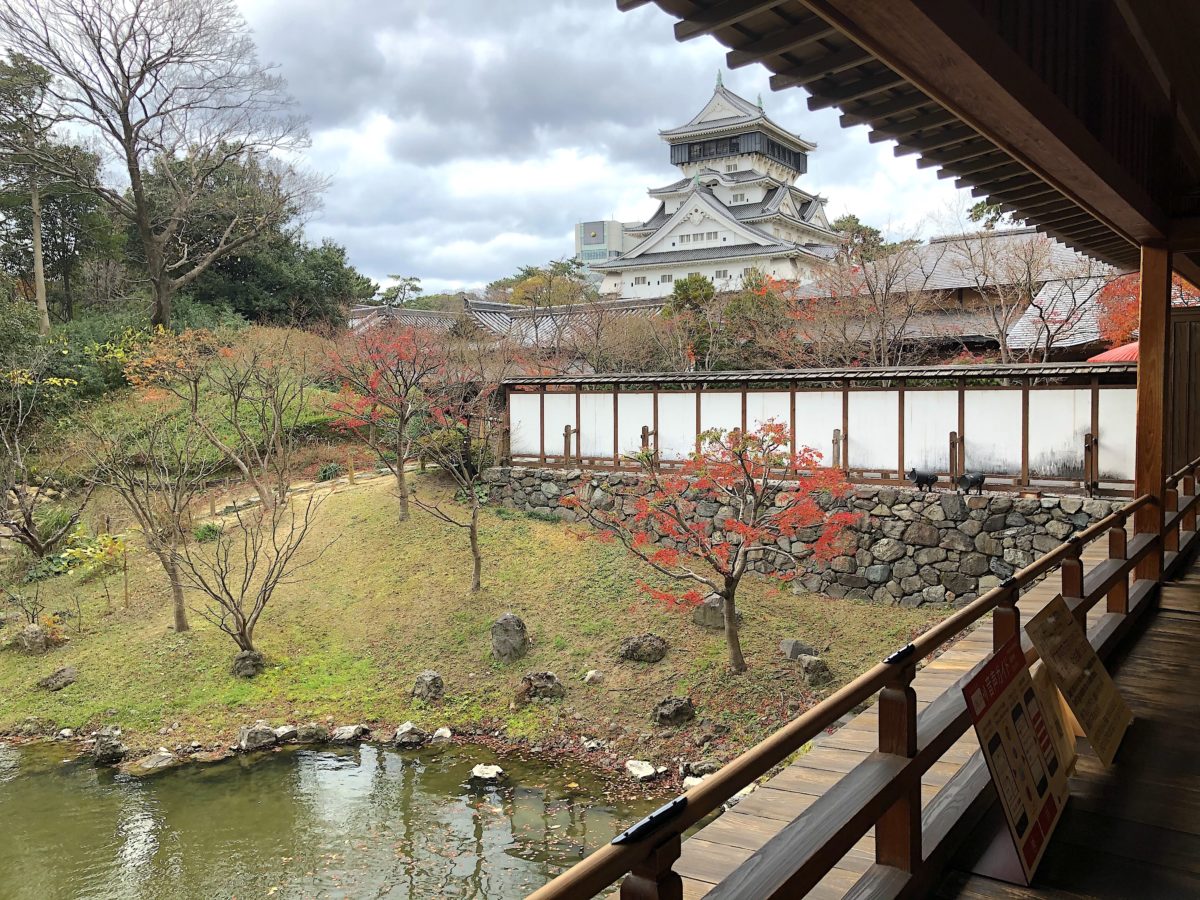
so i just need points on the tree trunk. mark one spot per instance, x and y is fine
(68, 297)
(162, 303)
(179, 607)
(402, 486)
(476, 555)
(39, 262)
(737, 662)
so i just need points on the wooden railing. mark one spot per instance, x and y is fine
(884, 791)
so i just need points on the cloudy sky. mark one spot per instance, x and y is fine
(465, 138)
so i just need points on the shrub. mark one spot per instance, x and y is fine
(207, 531)
(330, 471)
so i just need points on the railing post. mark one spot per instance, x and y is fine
(898, 831)
(1189, 490)
(1171, 532)
(1072, 575)
(836, 462)
(1118, 596)
(568, 431)
(953, 464)
(653, 878)
(1006, 618)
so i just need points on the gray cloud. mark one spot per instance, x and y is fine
(406, 97)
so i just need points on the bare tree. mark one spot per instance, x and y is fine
(1056, 312)
(174, 92)
(26, 490)
(154, 466)
(464, 430)
(246, 399)
(239, 572)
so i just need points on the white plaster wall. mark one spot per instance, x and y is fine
(1118, 432)
(676, 424)
(874, 437)
(524, 425)
(1058, 420)
(818, 413)
(762, 406)
(929, 417)
(596, 424)
(633, 411)
(559, 412)
(992, 431)
(718, 410)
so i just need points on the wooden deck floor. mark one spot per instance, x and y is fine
(718, 848)
(1132, 830)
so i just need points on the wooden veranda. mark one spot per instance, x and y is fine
(1083, 118)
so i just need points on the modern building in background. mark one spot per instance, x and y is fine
(736, 210)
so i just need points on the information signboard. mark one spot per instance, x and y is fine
(1019, 747)
(1078, 672)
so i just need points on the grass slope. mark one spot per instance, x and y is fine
(390, 599)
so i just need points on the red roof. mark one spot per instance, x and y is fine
(1124, 353)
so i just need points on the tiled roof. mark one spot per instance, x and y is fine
(730, 251)
(1065, 311)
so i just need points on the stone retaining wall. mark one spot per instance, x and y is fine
(910, 548)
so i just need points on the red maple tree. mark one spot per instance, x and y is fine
(382, 373)
(1120, 304)
(766, 494)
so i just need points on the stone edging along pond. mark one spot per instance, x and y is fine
(910, 548)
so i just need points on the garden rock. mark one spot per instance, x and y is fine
(593, 676)
(648, 648)
(640, 770)
(510, 640)
(429, 686)
(160, 759)
(312, 733)
(540, 686)
(691, 781)
(108, 749)
(286, 733)
(441, 736)
(248, 664)
(887, 550)
(794, 649)
(710, 613)
(486, 774)
(34, 639)
(815, 669)
(258, 736)
(349, 734)
(408, 736)
(60, 679)
(673, 711)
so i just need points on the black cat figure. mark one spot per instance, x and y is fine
(923, 480)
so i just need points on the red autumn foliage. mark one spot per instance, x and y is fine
(1120, 304)
(772, 493)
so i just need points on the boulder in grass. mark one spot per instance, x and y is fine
(793, 648)
(34, 639)
(640, 770)
(429, 687)
(60, 679)
(285, 733)
(815, 670)
(673, 711)
(442, 736)
(710, 612)
(248, 664)
(647, 648)
(510, 639)
(540, 686)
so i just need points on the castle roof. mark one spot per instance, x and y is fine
(725, 112)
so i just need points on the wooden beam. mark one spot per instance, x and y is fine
(956, 134)
(780, 41)
(829, 64)
(864, 115)
(720, 15)
(856, 90)
(886, 131)
(1185, 234)
(1153, 353)
(971, 150)
(945, 48)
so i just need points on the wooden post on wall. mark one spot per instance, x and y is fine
(1150, 458)
(900, 435)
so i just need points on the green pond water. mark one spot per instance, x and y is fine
(363, 822)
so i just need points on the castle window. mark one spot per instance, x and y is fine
(693, 274)
(730, 167)
(739, 198)
(685, 239)
(640, 279)
(666, 279)
(721, 273)
(710, 235)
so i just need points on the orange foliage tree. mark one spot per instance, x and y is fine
(383, 373)
(769, 493)
(1120, 303)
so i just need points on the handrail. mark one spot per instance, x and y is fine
(606, 865)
